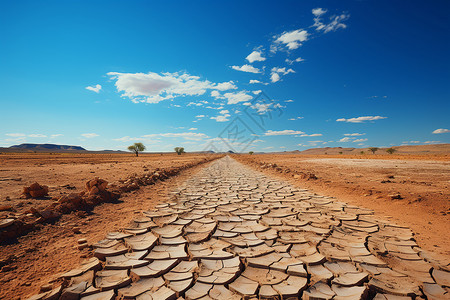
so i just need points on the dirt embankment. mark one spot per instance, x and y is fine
(51, 248)
(413, 190)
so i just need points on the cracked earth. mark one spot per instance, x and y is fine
(230, 232)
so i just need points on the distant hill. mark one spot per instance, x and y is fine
(45, 147)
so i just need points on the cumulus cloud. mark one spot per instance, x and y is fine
(441, 130)
(95, 88)
(292, 39)
(153, 88)
(334, 23)
(345, 140)
(254, 81)
(314, 134)
(289, 61)
(89, 135)
(359, 140)
(361, 119)
(223, 117)
(275, 73)
(289, 101)
(246, 68)
(234, 98)
(255, 56)
(296, 118)
(193, 128)
(353, 134)
(274, 77)
(283, 132)
(318, 11)
(16, 134)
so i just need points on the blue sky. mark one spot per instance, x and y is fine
(106, 74)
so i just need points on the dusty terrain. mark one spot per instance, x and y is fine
(231, 232)
(40, 255)
(422, 182)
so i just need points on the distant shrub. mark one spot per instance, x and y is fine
(390, 150)
(251, 152)
(362, 152)
(373, 149)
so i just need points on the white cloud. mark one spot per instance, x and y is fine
(441, 130)
(275, 73)
(282, 70)
(353, 134)
(335, 22)
(253, 81)
(361, 119)
(262, 108)
(274, 77)
(289, 101)
(200, 116)
(89, 135)
(411, 142)
(194, 104)
(257, 92)
(223, 117)
(55, 135)
(432, 142)
(345, 140)
(318, 11)
(225, 86)
(97, 88)
(185, 135)
(283, 132)
(246, 68)
(359, 140)
(314, 134)
(16, 134)
(154, 88)
(293, 39)
(125, 139)
(299, 59)
(255, 56)
(234, 98)
(296, 118)
(37, 135)
(193, 128)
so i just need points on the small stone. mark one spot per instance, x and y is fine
(76, 230)
(82, 241)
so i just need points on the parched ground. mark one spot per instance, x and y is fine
(231, 232)
(40, 255)
(66, 173)
(372, 181)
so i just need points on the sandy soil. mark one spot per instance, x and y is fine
(373, 181)
(41, 255)
(67, 173)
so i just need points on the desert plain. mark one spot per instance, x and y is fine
(410, 189)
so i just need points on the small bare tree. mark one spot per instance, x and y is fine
(136, 148)
(373, 149)
(179, 150)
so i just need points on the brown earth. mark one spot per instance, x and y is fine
(412, 189)
(42, 254)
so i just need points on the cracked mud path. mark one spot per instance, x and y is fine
(233, 233)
